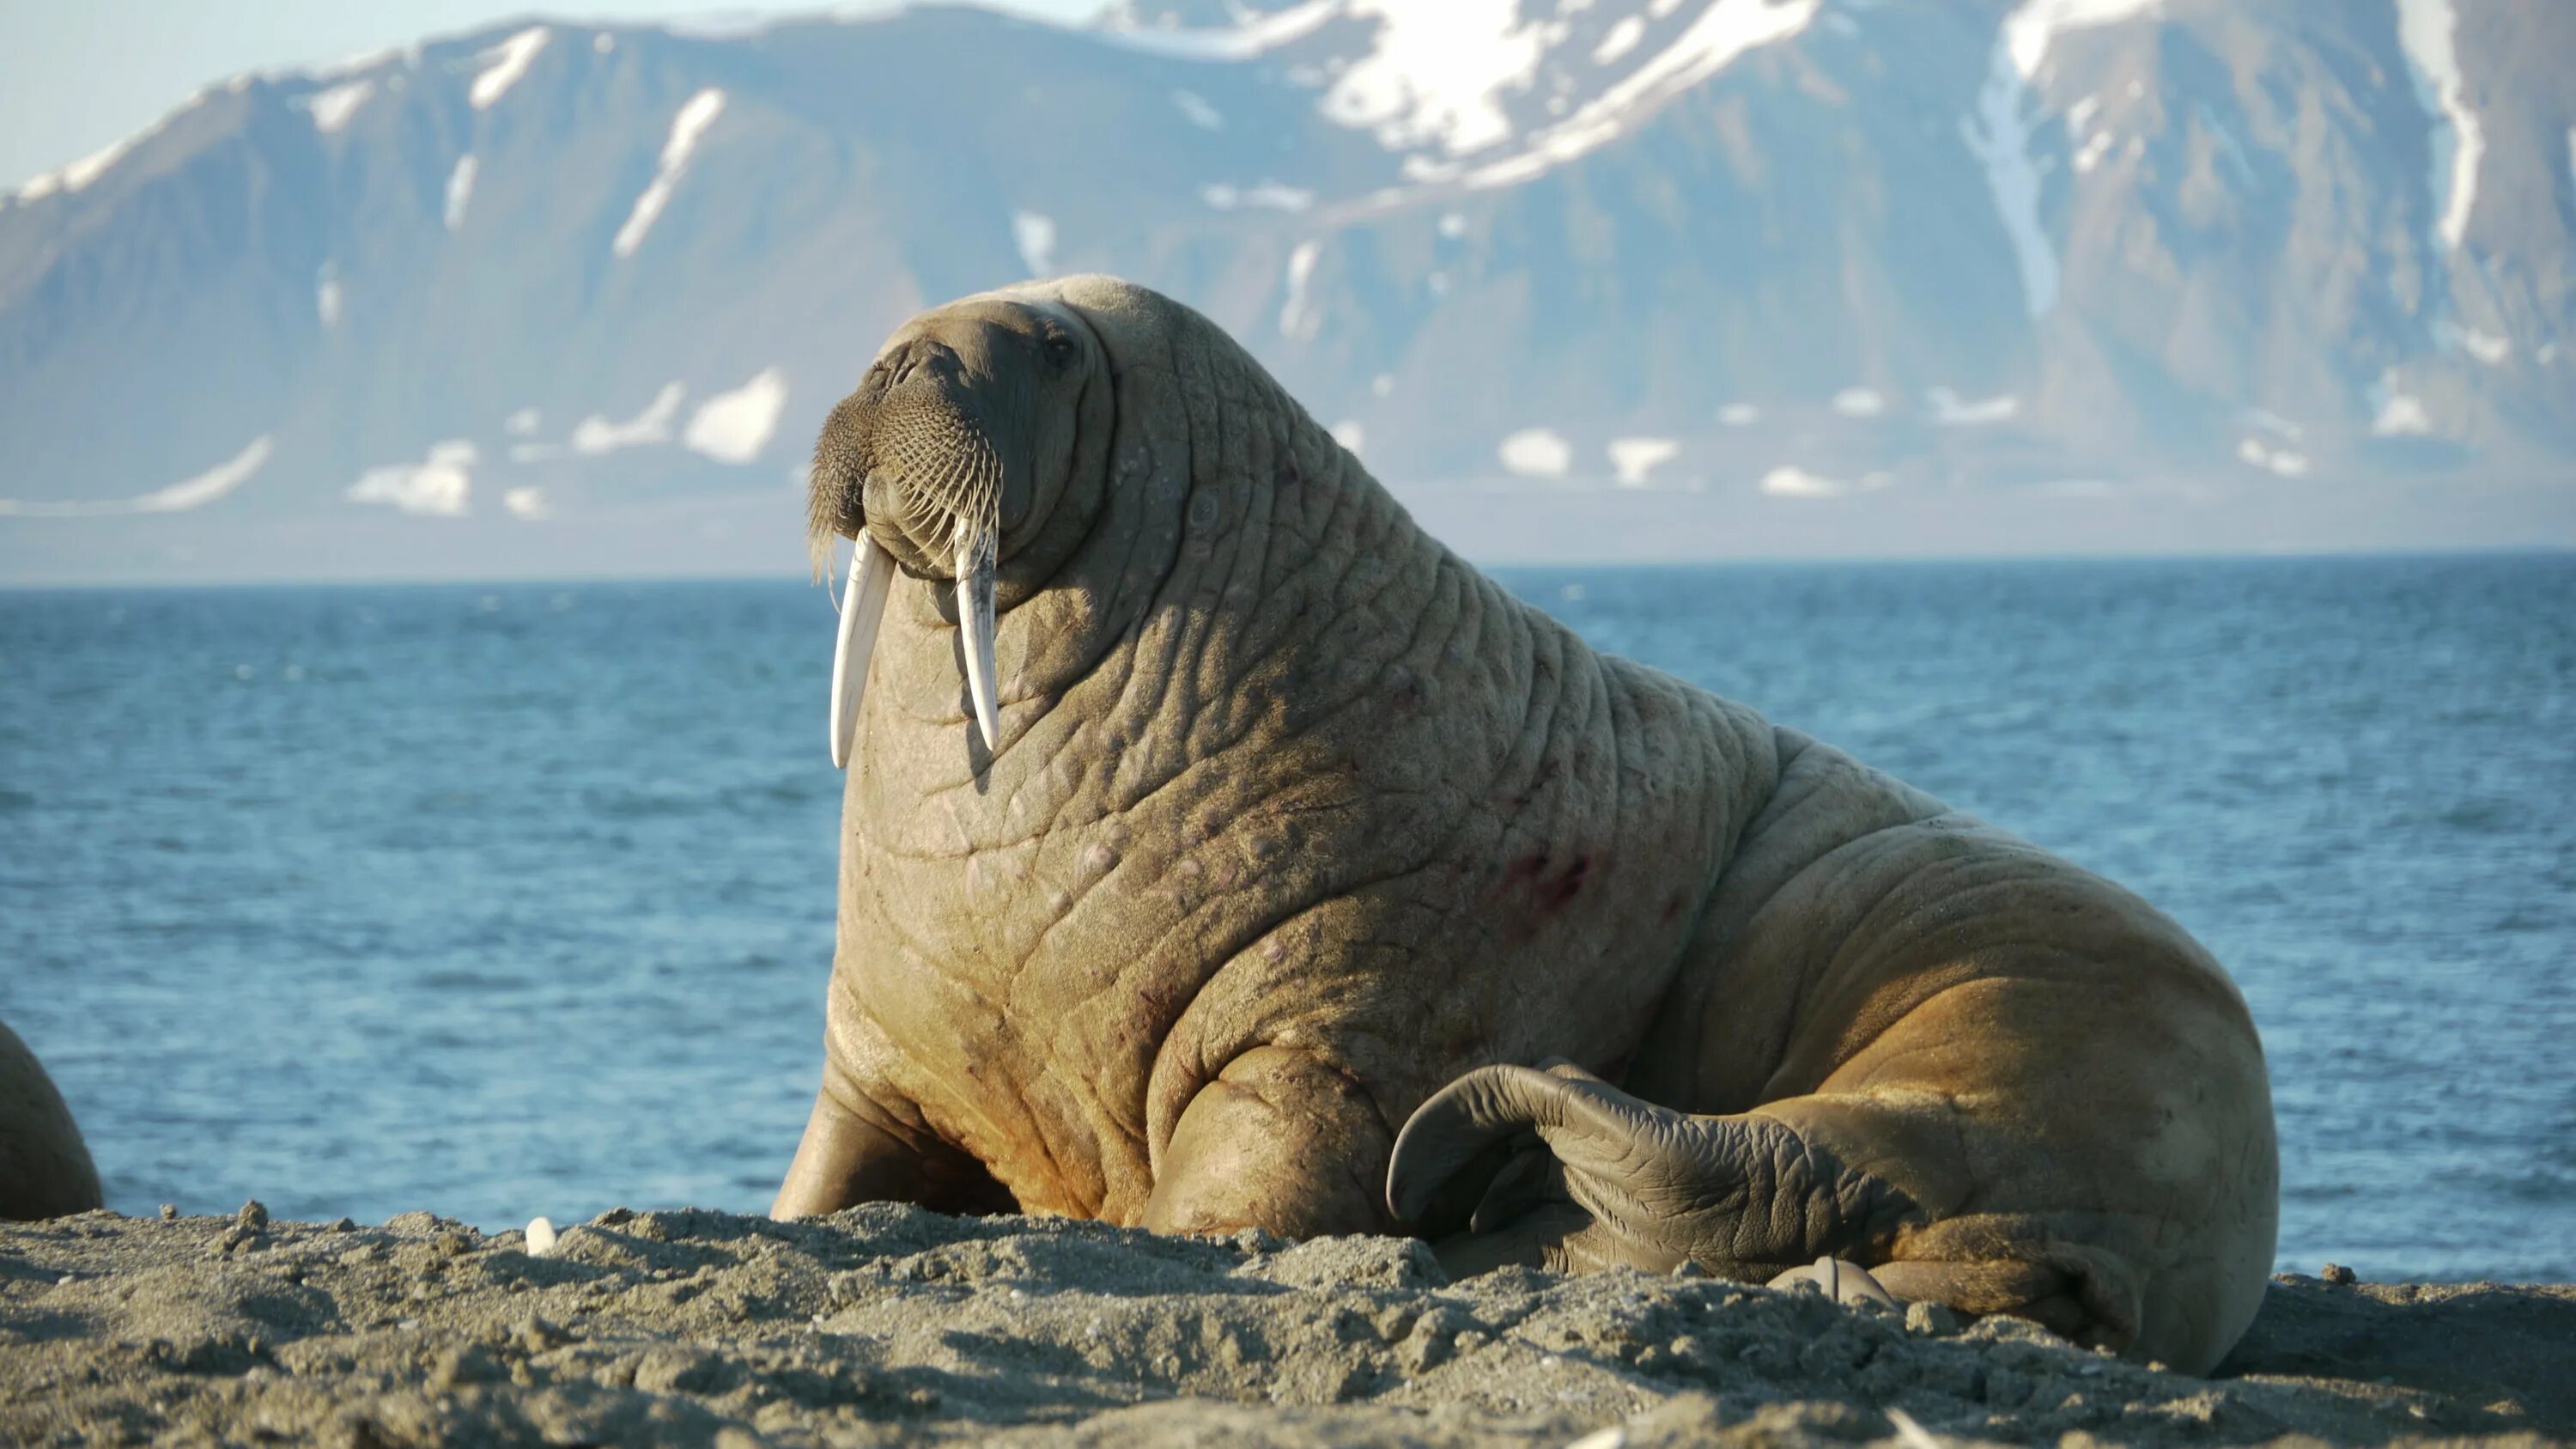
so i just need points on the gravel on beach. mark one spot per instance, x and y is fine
(887, 1325)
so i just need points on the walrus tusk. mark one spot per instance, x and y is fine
(862, 610)
(975, 562)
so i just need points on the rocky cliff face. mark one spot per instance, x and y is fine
(1604, 278)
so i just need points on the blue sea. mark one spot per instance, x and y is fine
(514, 900)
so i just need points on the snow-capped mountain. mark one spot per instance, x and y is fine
(1579, 278)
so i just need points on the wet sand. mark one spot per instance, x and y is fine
(888, 1325)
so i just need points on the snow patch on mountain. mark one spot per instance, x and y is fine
(1296, 319)
(733, 427)
(2396, 414)
(1999, 135)
(1635, 458)
(1536, 453)
(1952, 411)
(1623, 37)
(2425, 29)
(179, 497)
(460, 189)
(1791, 481)
(686, 127)
(333, 108)
(504, 64)
(1034, 234)
(437, 487)
(1724, 31)
(1436, 75)
(1243, 42)
(1275, 195)
(2254, 452)
(596, 434)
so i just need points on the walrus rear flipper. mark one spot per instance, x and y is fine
(1613, 1181)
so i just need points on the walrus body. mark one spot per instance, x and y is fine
(45, 1171)
(1292, 820)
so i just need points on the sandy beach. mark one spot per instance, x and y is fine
(888, 1325)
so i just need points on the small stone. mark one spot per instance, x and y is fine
(2338, 1273)
(614, 1216)
(169, 1212)
(344, 1225)
(541, 1237)
(1936, 1319)
(65, 1281)
(253, 1215)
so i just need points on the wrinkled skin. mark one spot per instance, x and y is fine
(45, 1170)
(1299, 833)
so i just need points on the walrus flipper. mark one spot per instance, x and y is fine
(1605, 1180)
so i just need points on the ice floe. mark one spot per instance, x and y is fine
(460, 189)
(733, 427)
(504, 64)
(435, 488)
(1634, 459)
(1034, 234)
(686, 128)
(179, 497)
(2425, 30)
(596, 434)
(1196, 108)
(332, 109)
(1536, 453)
(1953, 411)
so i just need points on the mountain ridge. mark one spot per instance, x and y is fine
(1615, 280)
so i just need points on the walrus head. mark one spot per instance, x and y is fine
(957, 447)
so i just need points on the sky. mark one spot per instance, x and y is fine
(77, 77)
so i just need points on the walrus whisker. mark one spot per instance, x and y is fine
(862, 611)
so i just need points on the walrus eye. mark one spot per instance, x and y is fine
(1059, 350)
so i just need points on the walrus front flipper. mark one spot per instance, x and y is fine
(45, 1169)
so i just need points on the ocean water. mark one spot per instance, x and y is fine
(517, 900)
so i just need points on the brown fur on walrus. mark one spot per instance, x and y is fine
(45, 1171)
(1294, 819)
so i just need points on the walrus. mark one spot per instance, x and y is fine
(45, 1170)
(1274, 868)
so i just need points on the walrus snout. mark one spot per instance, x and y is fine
(957, 441)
